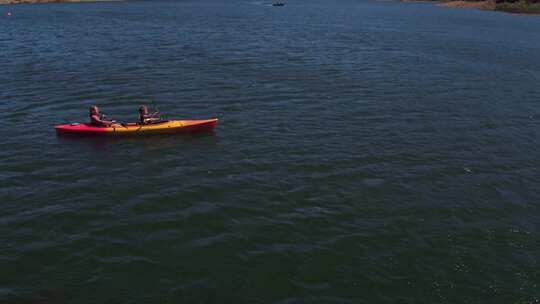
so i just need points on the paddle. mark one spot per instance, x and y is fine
(103, 116)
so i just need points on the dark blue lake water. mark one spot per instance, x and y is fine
(367, 152)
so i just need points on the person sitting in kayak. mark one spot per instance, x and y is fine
(96, 119)
(146, 118)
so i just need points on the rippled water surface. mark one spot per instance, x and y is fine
(367, 152)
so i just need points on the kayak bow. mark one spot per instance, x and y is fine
(164, 127)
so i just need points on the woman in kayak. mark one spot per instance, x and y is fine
(146, 118)
(96, 118)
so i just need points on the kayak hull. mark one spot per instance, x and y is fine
(166, 127)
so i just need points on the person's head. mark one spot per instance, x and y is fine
(143, 110)
(94, 110)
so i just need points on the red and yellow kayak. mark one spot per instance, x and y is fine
(163, 127)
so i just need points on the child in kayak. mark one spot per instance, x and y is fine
(146, 118)
(96, 118)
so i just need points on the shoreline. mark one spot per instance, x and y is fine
(483, 5)
(521, 7)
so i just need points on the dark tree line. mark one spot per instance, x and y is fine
(513, 1)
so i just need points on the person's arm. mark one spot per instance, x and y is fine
(98, 120)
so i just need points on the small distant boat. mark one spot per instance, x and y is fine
(278, 4)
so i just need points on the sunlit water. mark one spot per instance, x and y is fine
(367, 152)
